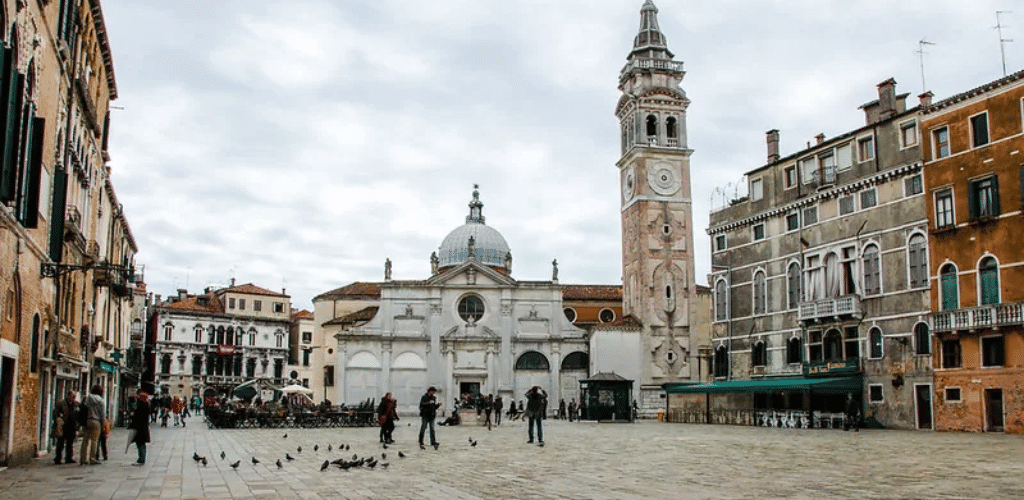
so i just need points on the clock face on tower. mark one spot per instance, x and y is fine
(628, 185)
(663, 178)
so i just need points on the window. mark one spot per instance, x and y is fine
(790, 176)
(988, 271)
(471, 308)
(875, 338)
(719, 242)
(721, 301)
(168, 331)
(197, 365)
(793, 285)
(851, 342)
(951, 353)
(570, 314)
(280, 340)
(199, 333)
(721, 362)
(305, 356)
(940, 137)
(794, 351)
(759, 232)
(652, 130)
(241, 304)
(875, 393)
(250, 367)
(844, 157)
(979, 129)
(810, 216)
(252, 338)
(278, 307)
(756, 189)
(833, 346)
(992, 351)
(305, 383)
(922, 339)
(793, 221)
(908, 134)
(868, 199)
(670, 128)
(828, 168)
(278, 367)
(983, 197)
(329, 376)
(872, 276)
(760, 293)
(949, 288)
(257, 305)
(307, 337)
(917, 257)
(211, 333)
(231, 303)
(532, 360)
(846, 205)
(808, 169)
(759, 354)
(953, 395)
(606, 315)
(866, 148)
(165, 364)
(814, 346)
(913, 185)
(944, 216)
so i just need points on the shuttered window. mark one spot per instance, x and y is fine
(989, 271)
(917, 257)
(872, 278)
(950, 300)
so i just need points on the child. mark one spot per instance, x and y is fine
(164, 417)
(104, 432)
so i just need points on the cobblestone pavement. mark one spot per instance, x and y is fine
(647, 460)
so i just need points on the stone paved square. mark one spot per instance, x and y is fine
(586, 460)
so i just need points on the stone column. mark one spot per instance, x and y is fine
(554, 393)
(385, 366)
(340, 373)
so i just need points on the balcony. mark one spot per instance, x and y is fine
(831, 309)
(975, 318)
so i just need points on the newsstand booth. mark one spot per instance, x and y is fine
(801, 402)
(606, 397)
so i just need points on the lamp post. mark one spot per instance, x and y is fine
(704, 352)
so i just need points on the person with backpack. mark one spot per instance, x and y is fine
(536, 407)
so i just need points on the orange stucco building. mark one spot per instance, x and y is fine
(974, 152)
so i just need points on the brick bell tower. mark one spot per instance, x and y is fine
(657, 212)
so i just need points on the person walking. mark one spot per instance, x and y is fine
(536, 406)
(139, 423)
(104, 432)
(498, 406)
(64, 427)
(387, 413)
(428, 412)
(561, 409)
(852, 413)
(488, 408)
(93, 404)
(572, 410)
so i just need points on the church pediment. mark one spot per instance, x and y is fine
(470, 332)
(471, 273)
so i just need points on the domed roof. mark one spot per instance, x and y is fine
(487, 244)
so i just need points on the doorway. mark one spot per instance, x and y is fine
(472, 388)
(923, 398)
(994, 410)
(6, 406)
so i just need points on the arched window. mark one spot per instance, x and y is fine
(229, 335)
(917, 260)
(34, 360)
(250, 367)
(875, 339)
(670, 127)
(950, 288)
(922, 340)
(280, 339)
(220, 335)
(197, 365)
(833, 346)
(211, 333)
(721, 301)
(532, 360)
(198, 330)
(760, 293)
(471, 308)
(759, 354)
(794, 351)
(652, 129)
(576, 361)
(252, 336)
(872, 271)
(793, 285)
(988, 272)
(721, 362)
(165, 364)
(168, 331)
(238, 337)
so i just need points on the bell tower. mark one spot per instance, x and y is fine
(657, 211)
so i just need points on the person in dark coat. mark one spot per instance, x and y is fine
(536, 407)
(498, 406)
(388, 413)
(428, 412)
(852, 412)
(140, 424)
(64, 428)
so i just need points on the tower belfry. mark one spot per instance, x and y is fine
(657, 215)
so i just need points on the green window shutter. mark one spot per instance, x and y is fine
(10, 146)
(7, 172)
(949, 296)
(995, 196)
(990, 285)
(972, 200)
(35, 171)
(60, 192)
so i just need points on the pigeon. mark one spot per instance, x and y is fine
(348, 447)
(384, 456)
(329, 448)
(254, 461)
(401, 455)
(235, 465)
(316, 447)
(285, 436)
(371, 464)
(279, 463)
(288, 457)
(355, 457)
(196, 457)
(344, 465)
(384, 465)
(473, 443)
(223, 455)
(471, 440)
(338, 462)
(325, 465)
(203, 460)
(300, 448)
(385, 446)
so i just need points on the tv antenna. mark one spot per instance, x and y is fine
(1002, 41)
(920, 52)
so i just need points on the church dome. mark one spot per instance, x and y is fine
(487, 244)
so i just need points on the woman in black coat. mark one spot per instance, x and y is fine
(140, 424)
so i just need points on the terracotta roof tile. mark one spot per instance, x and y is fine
(591, 292)
(355, 290)
(208, 303)
(364, 314)
(252, 290)
(302, 314)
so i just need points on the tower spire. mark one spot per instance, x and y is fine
(650, 41)
(475, 207)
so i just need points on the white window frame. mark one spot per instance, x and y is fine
(759, 311)
(907, 125)
(753, 232)
(785, 176)
(881, 334)
(756, 189)
(882, 400)
(861, 158)
(808, 176)
(864, 193)
(724, 316)
(853, 204)
(945, 394)
(803, 215)
(798, 221)
(840, 167)
(906, 184)
(936, 148)
(988, 129)
(910, 278)
(977, 279)
(952, 206)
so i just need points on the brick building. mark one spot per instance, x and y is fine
(974, 180)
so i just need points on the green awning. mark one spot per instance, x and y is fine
(836, 385)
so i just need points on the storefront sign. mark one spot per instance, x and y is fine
(225, 350)
(830, 367)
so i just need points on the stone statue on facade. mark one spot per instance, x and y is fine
(508, 263)
(554, 270)
(387, 269)
(471, 248)
(433, 263)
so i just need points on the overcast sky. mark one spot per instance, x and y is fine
(298, 143)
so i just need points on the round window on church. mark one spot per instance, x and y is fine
(471, 308)
(570, 314)
(607, 315)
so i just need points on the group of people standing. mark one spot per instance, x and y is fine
(90, 419)
(536, 408)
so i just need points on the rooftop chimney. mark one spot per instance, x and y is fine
(926, 99)
(773, 145)
(182, 294)
(820, 138)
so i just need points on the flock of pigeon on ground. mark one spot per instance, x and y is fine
(369, 462)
